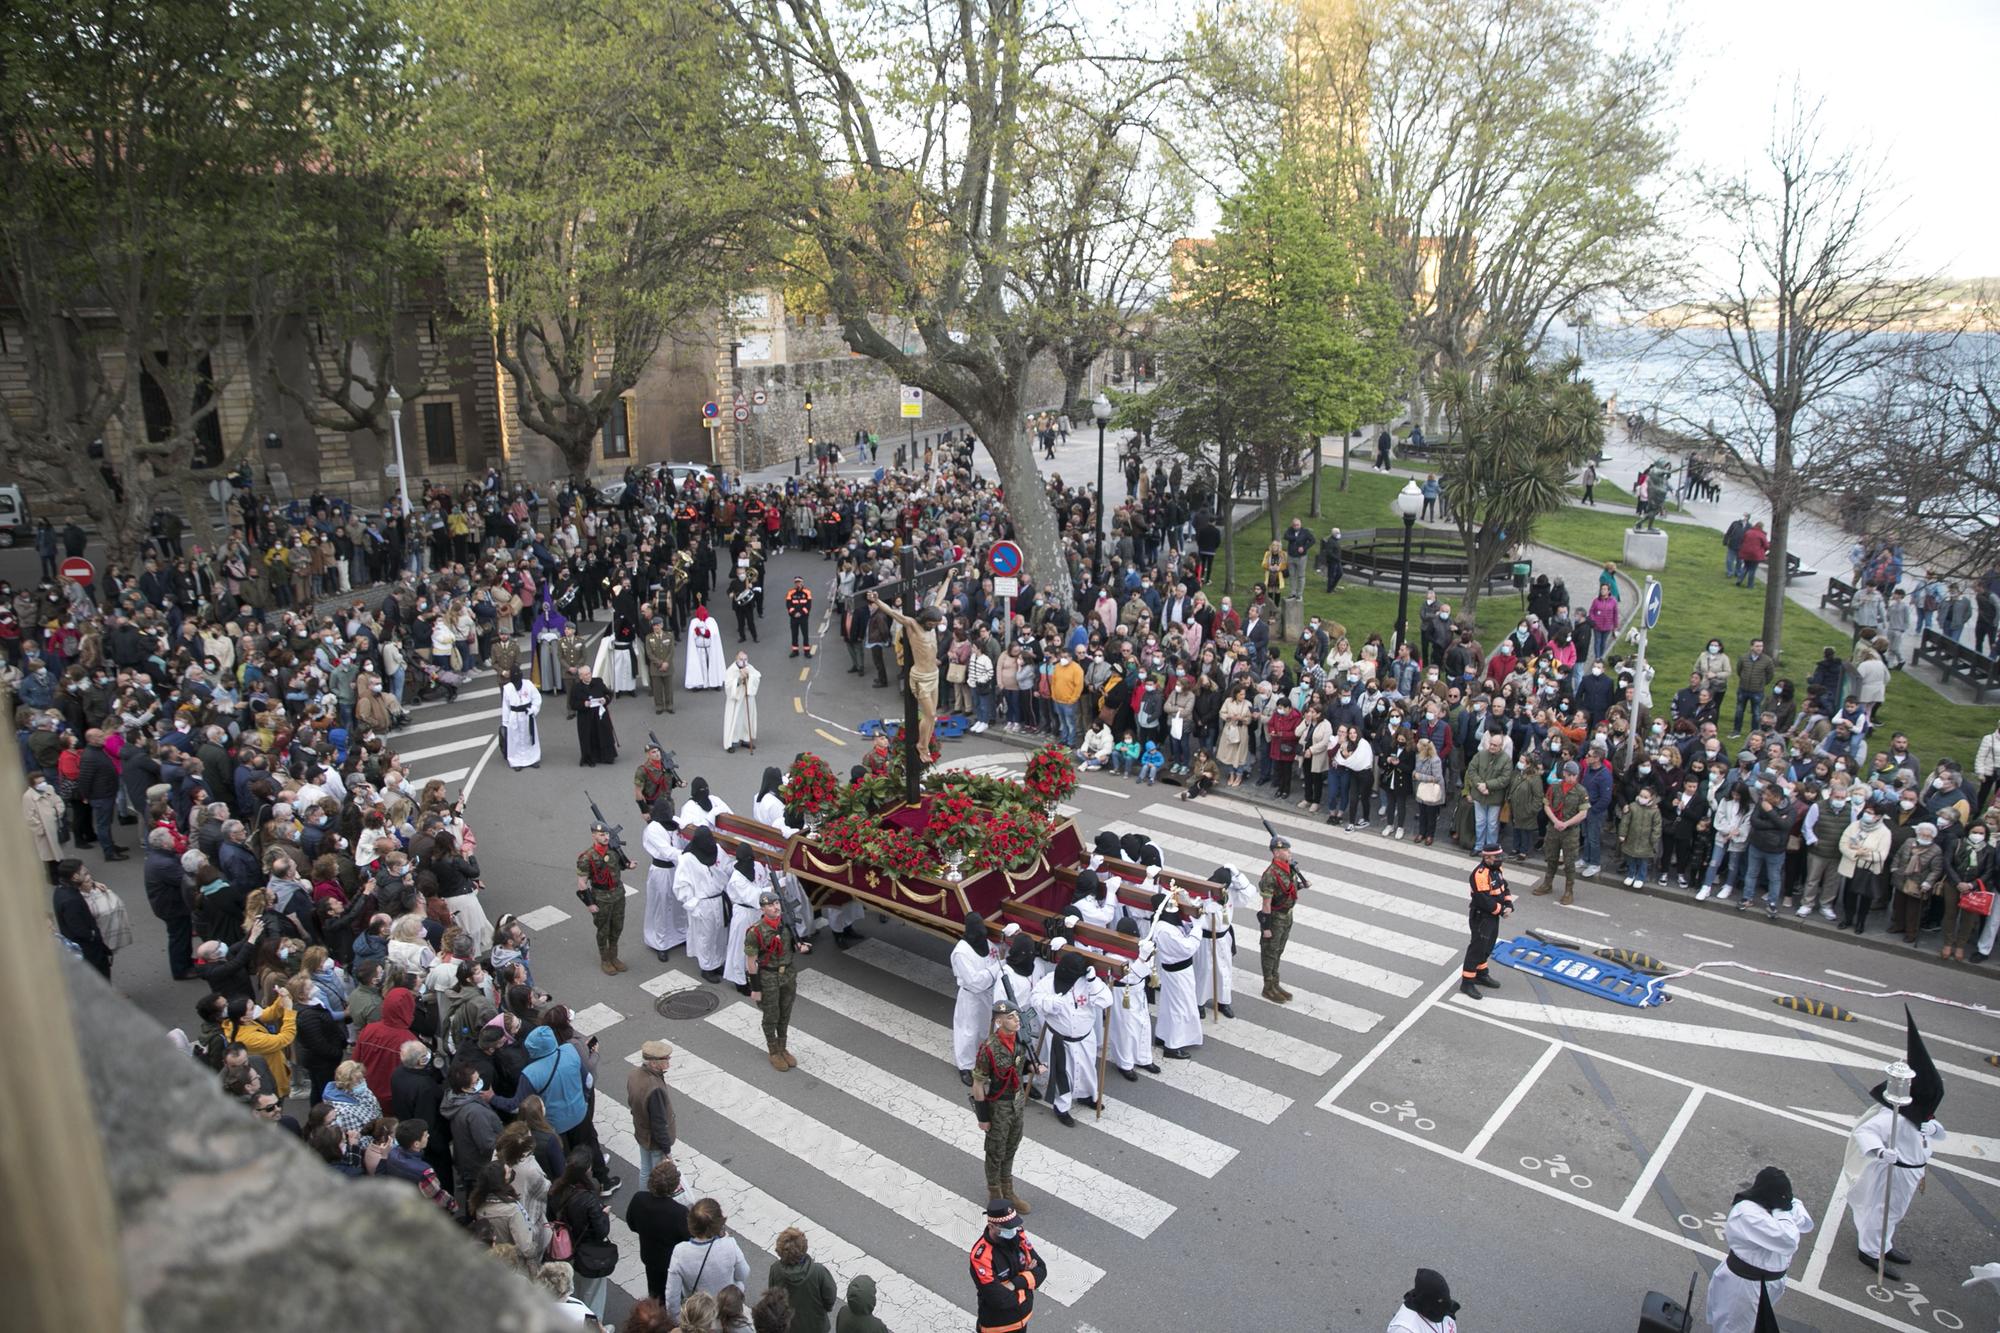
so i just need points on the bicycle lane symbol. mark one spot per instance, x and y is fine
(1558, 1169)
(1910, 1294)
(1405, 1112)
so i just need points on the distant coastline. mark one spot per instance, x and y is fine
(1968, 304)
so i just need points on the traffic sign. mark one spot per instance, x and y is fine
(742, 412)
(1004, 558)
(757, 397)
(710, 423)
(1653, 600)
(913, 401)
(392, 469)
(711, 409)
(77, 570)
(1006, 585)
(741, 402)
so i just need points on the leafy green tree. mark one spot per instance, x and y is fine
(1517, 433)
(605, 160)
(144, 151)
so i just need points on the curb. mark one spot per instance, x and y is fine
(1785, 919)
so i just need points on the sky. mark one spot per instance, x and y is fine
(1909, 79)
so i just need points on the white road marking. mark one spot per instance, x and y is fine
(595, 1019)
(667, 982)
(1270, 1043)
(1661, 1151)
(542, 918)
(1142, 1129)
(1634, 1024)
(472, 778)
(1703, 939)
(1353, 970)
(847, 1161)
(1512, 1100)
(1836, 1204)
(449, 775)
(950, 1122)
(1338, 1013)
(1404, 1024)
(481, 718)
(1105, 791)
(463, 695)
(1865, 981)
(1817, 1027)
(410, 757)
(1317, 862)
(1587, 911)
(1344, 927)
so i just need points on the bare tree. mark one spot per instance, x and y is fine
(1809, 307)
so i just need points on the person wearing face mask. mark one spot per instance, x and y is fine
(1714, 667)
(1864, 857)
(42, 812)
(1594, 694)
(1639, 837)
(1916, 872)
(475, 1126)
(1006, 1271)
(1972, 869)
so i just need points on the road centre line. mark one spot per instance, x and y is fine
(1512, 1101)
(1865, 981)
(1703, 939)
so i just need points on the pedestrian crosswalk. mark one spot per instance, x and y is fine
(872, 1132)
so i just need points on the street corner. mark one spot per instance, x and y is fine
(1438, 1083)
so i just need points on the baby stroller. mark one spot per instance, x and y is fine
(436, 680)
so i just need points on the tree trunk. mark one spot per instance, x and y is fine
(1480, 557)
(1074, 371)
(1319, 451)
(1271, 495)
(998, 423)
(1225, 512)
(1774, 577)
(1344, 449)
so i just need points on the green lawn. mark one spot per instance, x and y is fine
(1699, 601)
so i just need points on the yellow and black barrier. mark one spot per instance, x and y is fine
(1632, 958)
(1805, 1004)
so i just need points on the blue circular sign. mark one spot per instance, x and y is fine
(1654, 598)
(1004, 559)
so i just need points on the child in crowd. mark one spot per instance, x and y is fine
(1150, 760)
(1125, 756)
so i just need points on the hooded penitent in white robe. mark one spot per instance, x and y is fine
(1073, 1019)
(743, 893)
(621, 664)
(520, 707)
(693, 816)
(1178, 1022)
(1871, 1166)
(695, 885)
(1761, 1239)
(1131, 1020)
(739, 704)
(972, 1013)
(666, 917)
(705, 660)
(1243, 904)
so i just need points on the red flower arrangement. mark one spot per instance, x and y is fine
(954, 824)
(860, 839)
(1051, 774)
(811, 787)
(1010, 838)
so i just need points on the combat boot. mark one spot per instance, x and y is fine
(1284, 996)
(791, 1061)
(1007, 1192)
(1569, 895)
(604, 961)
(1542, 890)
(777, 1057)
(617, 963)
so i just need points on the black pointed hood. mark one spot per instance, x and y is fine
(746, 861)
(698, 793)
(1771, 1191)
(1430, 1296)
(975, 932)
(1107, 844)
(662, 813)
(774, 778)
(1134, 846)
(1021, 955)
(1927, 1088)
(1069, 968)
(1088, 885)
(702, 846)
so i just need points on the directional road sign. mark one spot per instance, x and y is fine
(1004, 558)
(1654, 598)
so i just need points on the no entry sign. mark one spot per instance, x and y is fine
(77, 570)
(1004, 558)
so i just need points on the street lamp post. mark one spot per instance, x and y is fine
(395, 406)
(809, 429)
(1100, 408)
(1409, 501)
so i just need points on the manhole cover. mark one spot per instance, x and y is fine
(684, 1004)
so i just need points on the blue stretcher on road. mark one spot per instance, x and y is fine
(949, 727)
(1593, 976)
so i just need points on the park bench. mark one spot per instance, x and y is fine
(1961, 665)
(1839, 595)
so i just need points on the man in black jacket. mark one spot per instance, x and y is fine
(97, 786)
(238, 864)
(416, 1092)
(166, 894)
(74, 921)
(1006, 1271)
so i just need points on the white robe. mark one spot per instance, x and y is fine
(1179, 1020)
(972, 1013)
(1871, 1169)
(1243, 904)
(739, 705)
(666, 917)
(695, 886)
(770, 809)
(1763, 1240)
(1407, 1320)
(1103, 915)
(522, 733)
(743, 892)
(705, 661)
(692, 816)
(1131, 1020)
(622, 666)
(1074, 1014)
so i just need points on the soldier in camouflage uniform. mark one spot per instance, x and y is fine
(570, 651)
(650, 780)
(767, 968)
(602, 893)
(660, 667)
(1000, 1074)
(1278, 892)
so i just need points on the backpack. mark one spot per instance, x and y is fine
(467, 1015)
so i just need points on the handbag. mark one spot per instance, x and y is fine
(1430, 793)
(954, 674)
(1913, 888)
(1977, 900)
(560, 1247)
(113, 922)
(595, 1258)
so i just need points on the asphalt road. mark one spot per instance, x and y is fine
(1556, 1155)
